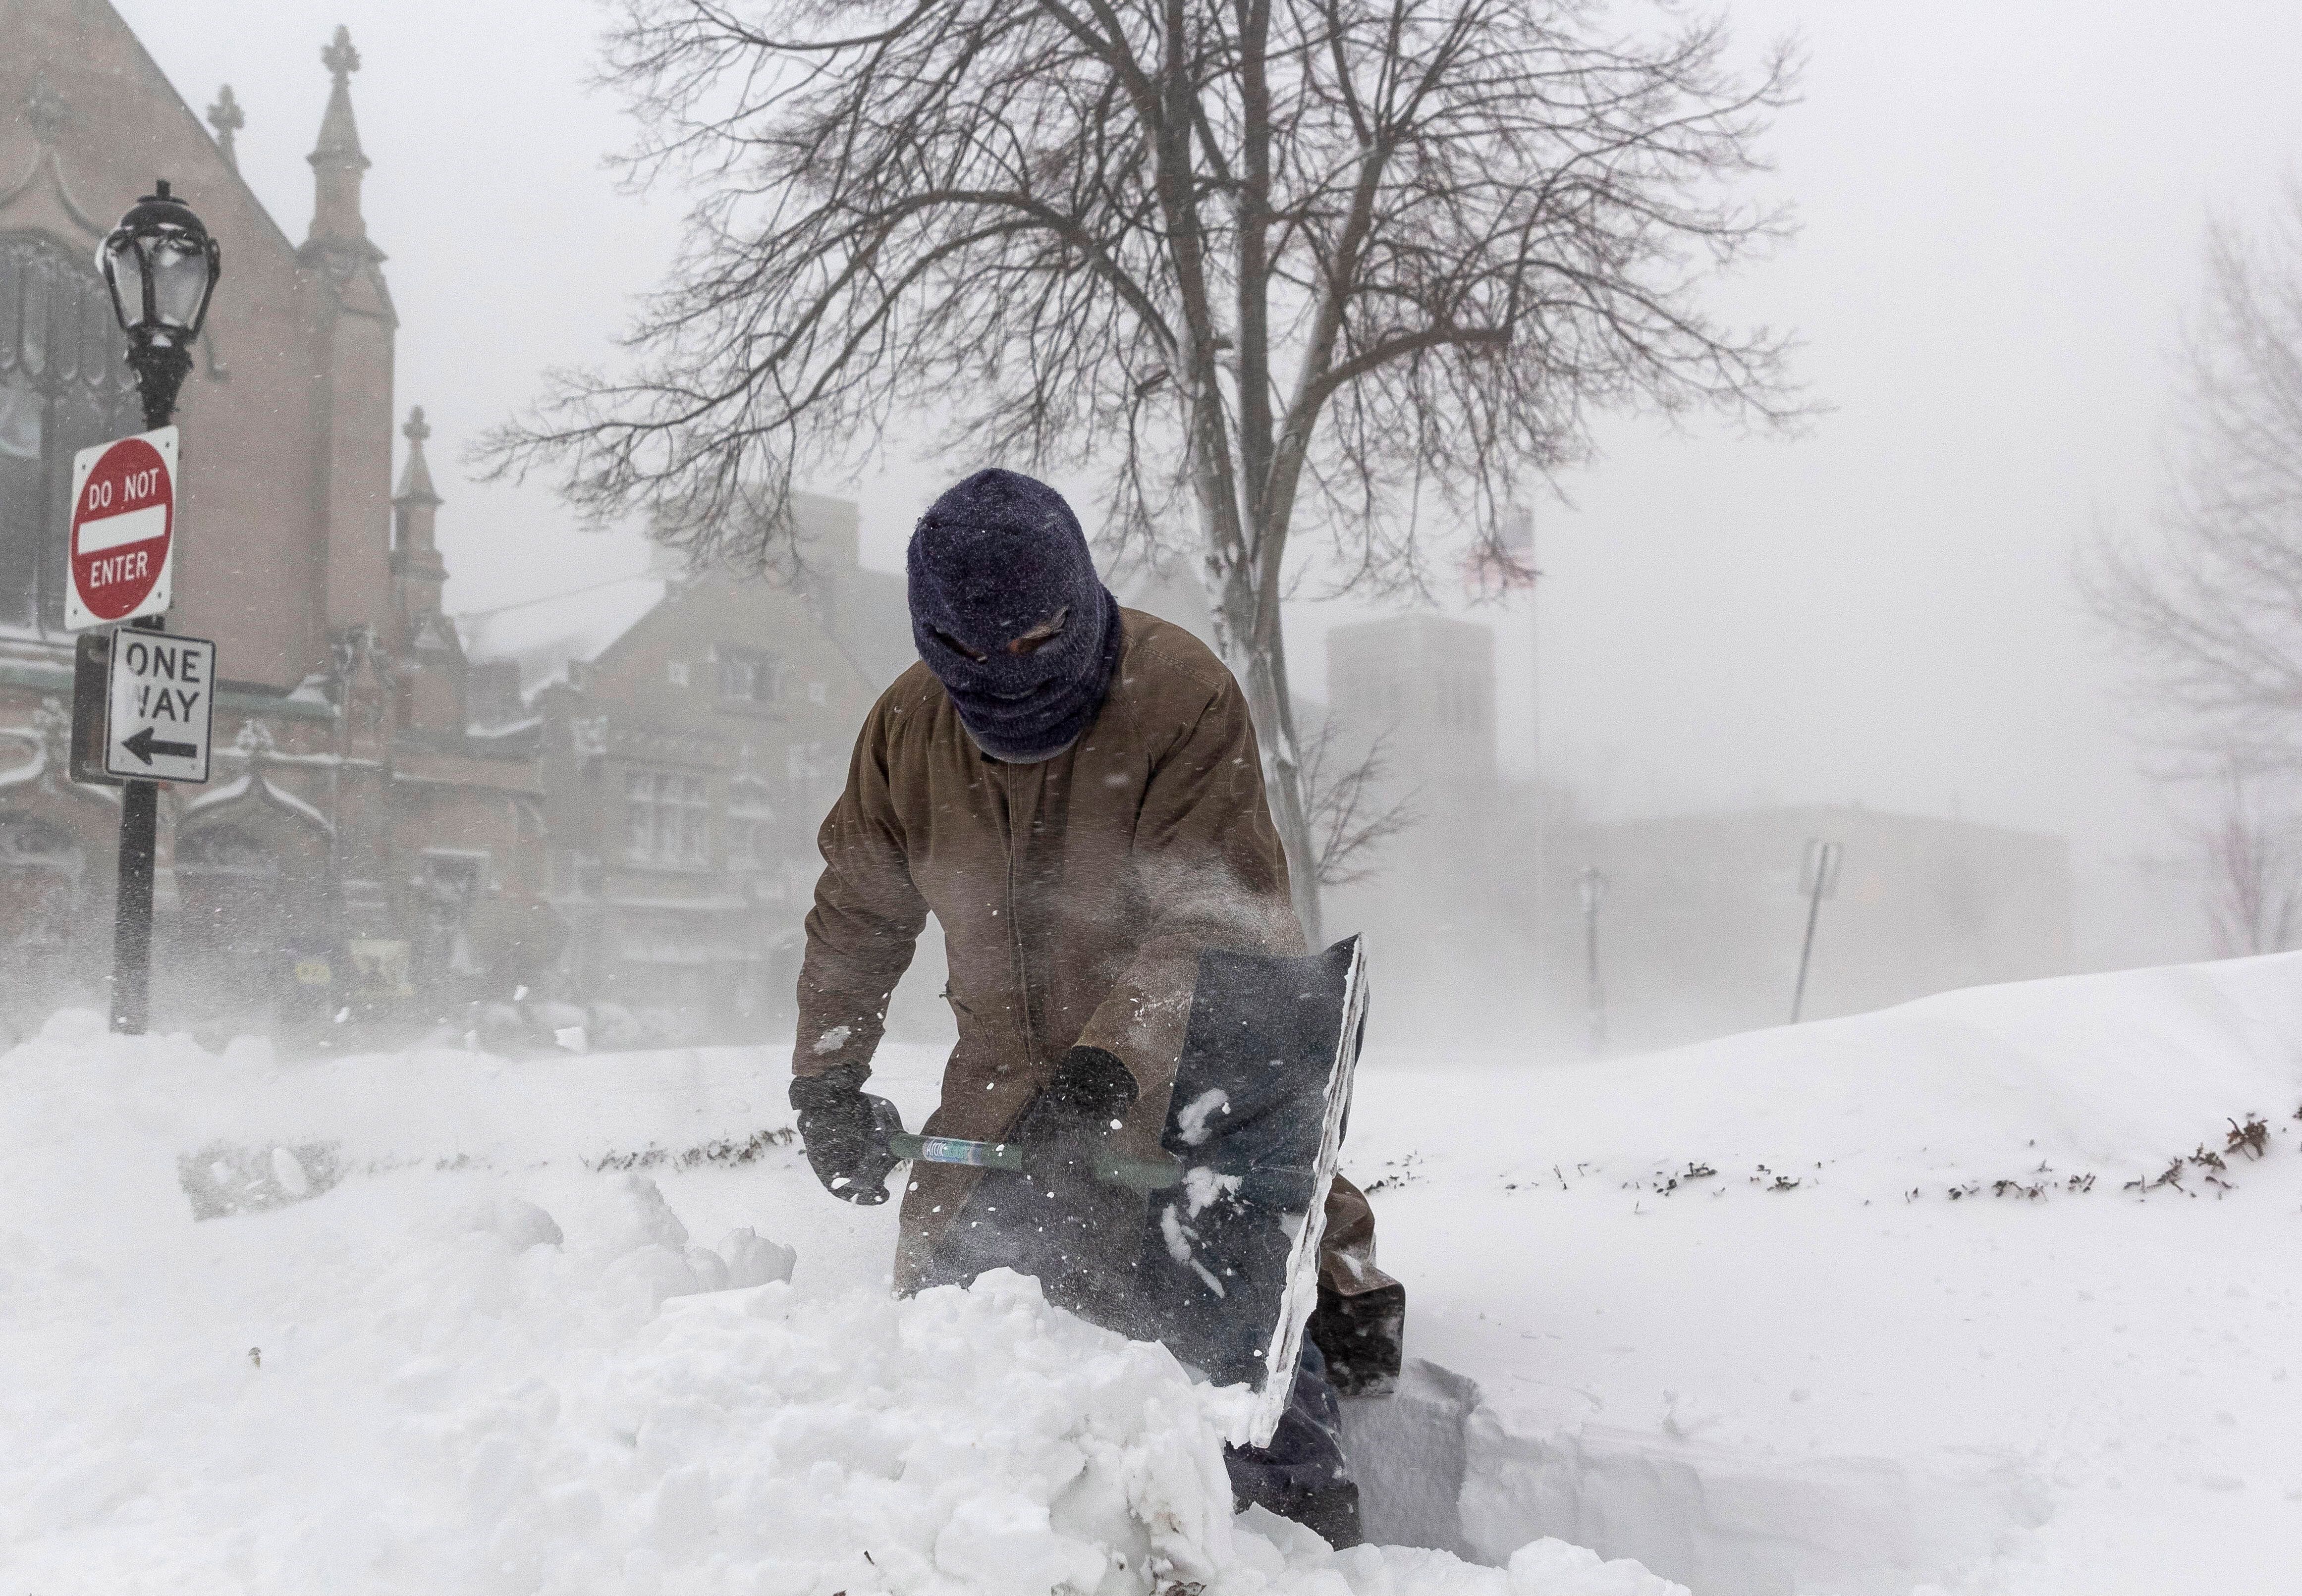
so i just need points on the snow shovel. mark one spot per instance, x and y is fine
(1229, 1270)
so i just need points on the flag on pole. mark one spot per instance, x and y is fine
(1504, 563)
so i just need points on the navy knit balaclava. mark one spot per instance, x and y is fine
(996, 559)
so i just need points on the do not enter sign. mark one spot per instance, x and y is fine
(124, 530)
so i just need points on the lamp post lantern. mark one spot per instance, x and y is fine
(161, 266)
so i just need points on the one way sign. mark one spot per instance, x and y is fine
(163, 702)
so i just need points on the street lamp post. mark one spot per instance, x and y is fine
(1594, 897)
(161, 266)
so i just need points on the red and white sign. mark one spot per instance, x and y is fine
(124, 530)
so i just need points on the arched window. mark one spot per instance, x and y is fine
(63, 387)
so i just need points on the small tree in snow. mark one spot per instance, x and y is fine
(2254, 854)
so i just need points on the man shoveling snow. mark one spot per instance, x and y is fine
(1074, 790)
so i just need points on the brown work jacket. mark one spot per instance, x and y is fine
(1075, 894)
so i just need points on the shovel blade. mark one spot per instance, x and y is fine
(1231, 1259)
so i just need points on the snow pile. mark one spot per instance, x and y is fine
(516, 1373)
(1994, 1293)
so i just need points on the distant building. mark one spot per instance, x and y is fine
(1425, 686)
(695, 730)
(1702, 915)
(362, 843)
(1444, 905)
(1701, 921)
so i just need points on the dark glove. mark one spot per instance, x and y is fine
(1072, 1118)
(845, 1130)
(1078, 1236)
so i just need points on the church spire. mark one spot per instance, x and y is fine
(337, 161)
(355, 367)
(227, 119)
(415, 478)
(415, 548)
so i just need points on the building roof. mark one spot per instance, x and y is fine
(542, 635)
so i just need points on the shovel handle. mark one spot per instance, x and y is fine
(1136, 1174)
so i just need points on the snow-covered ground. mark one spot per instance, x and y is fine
(520, 1345)
(497, 1355)
(1852, 1360)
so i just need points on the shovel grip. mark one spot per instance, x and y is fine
(1136, 1174)
(950, 1149)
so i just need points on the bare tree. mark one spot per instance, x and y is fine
(1352, 813)
(1354, 265)
(2256, 854)
(2209, 607)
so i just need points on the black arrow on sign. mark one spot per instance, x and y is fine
(143, 747)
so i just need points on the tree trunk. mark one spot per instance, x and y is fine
(1262, 672)
(1282, 772)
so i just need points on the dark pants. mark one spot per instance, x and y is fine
(1008, 1222)
(1303, 1474)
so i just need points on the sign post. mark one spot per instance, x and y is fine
(142, 708)
(1594, 898)
(1818, 880)
(160, 266)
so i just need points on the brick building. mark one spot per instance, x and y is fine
(360, 825)
(695, 729)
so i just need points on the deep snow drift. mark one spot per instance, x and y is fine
(495, 1356)
(477, 1364)
(1939, 1318)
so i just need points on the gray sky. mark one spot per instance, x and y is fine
(2002, 200)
